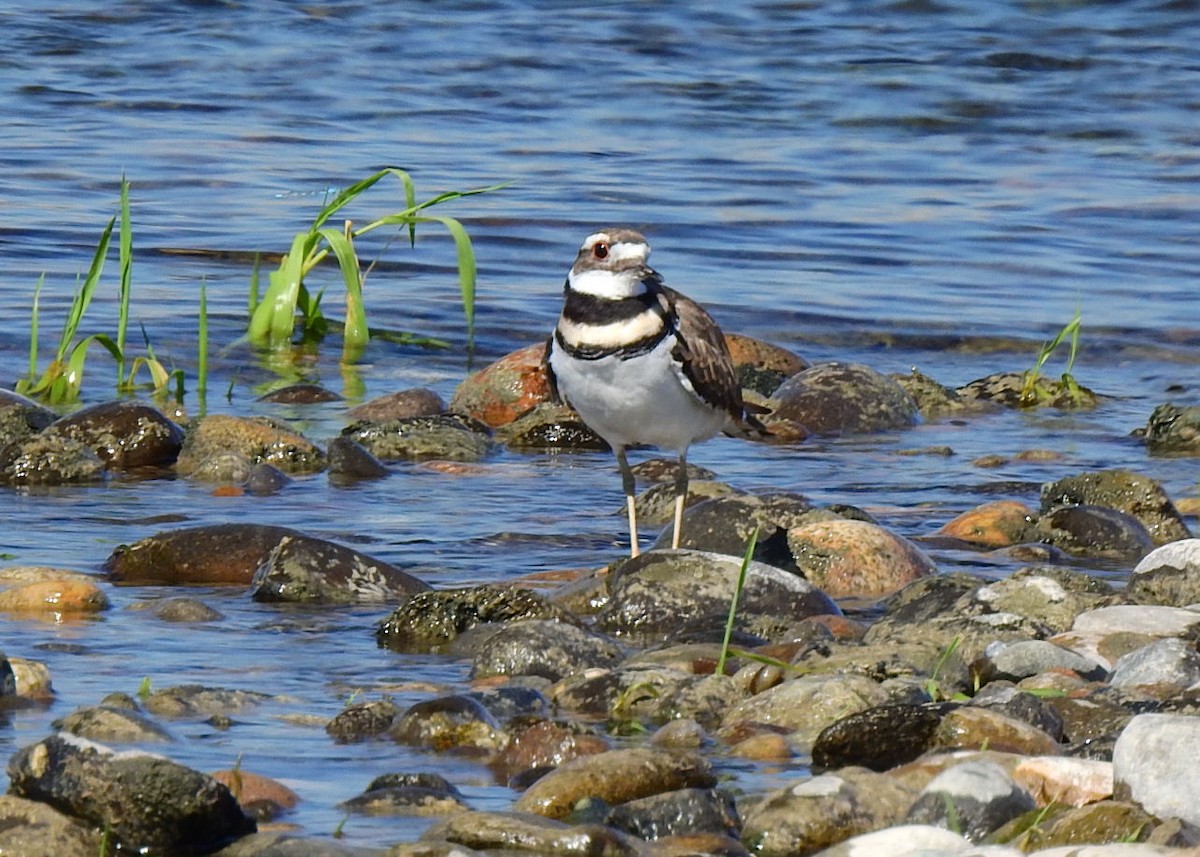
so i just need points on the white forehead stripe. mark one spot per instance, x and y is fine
(619, 251)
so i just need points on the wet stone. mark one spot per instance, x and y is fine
(362, 720)
(45, 459)
(1095, 531)
(542, 648)
(264, 480)
(844, 398)
(544, 745)
(147, 802)
(262, 798)
(656, 505)
(879, 738)
(350, 460)
(35, 829)
(724, 524)
(1011, 390)
(550, 425)
(855, 558)
(1105, 822)
(803, 707)
(259, 439)
(21, 417)
(300, 394)
(518, 833)
(1172, 430)
(214, 554)
(108, 724)
(973, 798)
(997, 524)
(430, 621)
(500, 392)
(124, 434)
(301, 569)
(678, 812)
(1132, 493)
(455, 723)
(513, 700)
(185, 610)
(194, 700)
(413, 402)
(933, 400)
(446, 437)
(421, 794)
(655, 593)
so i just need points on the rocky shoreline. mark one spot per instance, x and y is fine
(944, 713)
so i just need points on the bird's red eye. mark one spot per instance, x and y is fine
(600, 251)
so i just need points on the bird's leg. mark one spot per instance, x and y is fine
(630, 488)
(681, 489)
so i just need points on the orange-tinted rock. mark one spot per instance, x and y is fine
(497, 394)
(258, 796)
(997, 524)
(75, 597)
(544, 745)
(747, 351)
(218, 554)
(415, 402)
(1073, 782)
(845, 557)
(258, 439)
(971, 727)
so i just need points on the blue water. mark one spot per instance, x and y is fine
(932, 184)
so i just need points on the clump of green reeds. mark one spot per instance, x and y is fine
(288, 300)
(1035, 390)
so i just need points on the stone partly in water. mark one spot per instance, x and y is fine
(844, 398)
(125, 435)
(542, 648)
(513, 833)
(300, 394)
(444, 437)
(206, 555)
(407, 794)
(455, 723)
(856, 558)
(1135, 495)
(999, 523)
(1173, 430)
(257, 439)
(350, 460)
(66, 597)
(21, 417)
(361, 720)
(1095, 531)
(148, 803)
(44, 459)
(113, 724)
(304, 569)
(500, 392)
(550, 426)
(1017, 390)
(413, 402)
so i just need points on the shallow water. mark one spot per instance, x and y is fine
(924, 184)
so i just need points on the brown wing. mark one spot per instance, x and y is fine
(702, 351)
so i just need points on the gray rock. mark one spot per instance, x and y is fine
(453, 722)
(1172, 430)
(916, 840)
(1023, 658)
(148, 802)
(972, 798)
(105, 723)
(421, 794)
(194, 700)
(1011, 701)
(1170, 661)
(278, 843)
(543, 648)
(350, 460)
(445, 437)
(844, 398)
(804, 706)
(1131, 493)
(508, 833)
(49, 460)
(304, 569)
(362, 720)
(1154, 763)
(1169, 574)
(1095, 531)
(34, 829)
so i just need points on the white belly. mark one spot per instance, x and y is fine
(642, 400)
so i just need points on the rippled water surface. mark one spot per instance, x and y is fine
(932, 184)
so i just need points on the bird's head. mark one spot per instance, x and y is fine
(611, 264)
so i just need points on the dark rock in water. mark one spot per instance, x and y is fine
(429, 621)
(21, 417)
(656, 505)
(264, 480)
(542, 648)
(1135, 495)
(550, 426)
(8, 681)
(879, 738)
(615, 777)
(499, 393)
(194, 700)
(1172, 430)
(932, 399)
(450, 723)
(349, 459)
(844, 398)
(677, 812)
(446, 437)
(1168, 575)
(413, 402)
(512, 833)
(419, 794)
(542, 746)
(105, 723)
(512, 700)
(207, 555)
(973, 798)
(35, 829)
(724, 524)
(124, 434)
(1012, 390)
(45, 459)
(300, 394)
(185, 610)
(259, 439)
(149, 803)
(655, 593)
(362, 720)
(303, 569)
(1095, 531)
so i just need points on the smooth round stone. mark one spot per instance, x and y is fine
(1171, 661)
(1023, 658)
(806, 705)
(1138, 619)
(1071, 782)
(976, 797)
(996, 524)
(844, 398)
(1183, 554)
(914, 840)
(1131, 493)
(543, 648)
(856, 558)
(1154, 763)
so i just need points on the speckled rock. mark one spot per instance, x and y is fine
(856, 558)
(446, 437)
(109, 724)
(844, 398)
(455, 723)
(1011, 390)
(303, 569)
(933, 400)
(549, 426)
(350, 460)
(1050, 595)
(1106, 825)
(194, 700)
(206, 555)
(1095, 531)
(804, 706)
(880, 737)
(824, 810)
(973, 728)
(724, 524)
(673, 813)
(543, 648)
(654, 594)
(423, 794)
(147, 802)
(616, 776)
(544, 745)
(1021, 704)
(746, 351)
(972, 798)
(656, 505)
(1172, 430)
(431, 621)
(1171, 662)
(1154, 763)
(300, 394)
(1168, 575)
(502, 391)
(362, 720)
(124, 434)
(44, 459)
(258, 439)
(1132, 493)
(21, 417)
(35, 829)
(996, 524)
(509, 833)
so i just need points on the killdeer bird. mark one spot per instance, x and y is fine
(639, 362)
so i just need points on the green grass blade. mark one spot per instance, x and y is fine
(733, 602)
(83, 296)
(466, 270)
(33, 328)
(274, 318)
(125, 250)
(202, 346)
(355, 330)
